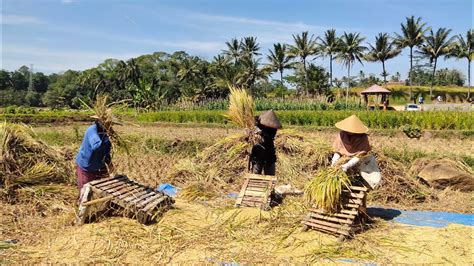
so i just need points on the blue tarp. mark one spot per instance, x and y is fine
(422, 218)
(168, 189)
(434, 219)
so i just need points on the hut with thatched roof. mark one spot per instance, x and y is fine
(377, 91)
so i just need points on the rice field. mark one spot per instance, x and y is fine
(40, 223)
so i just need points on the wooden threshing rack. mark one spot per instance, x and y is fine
(256, 191)
(137, 201)
(343, 222)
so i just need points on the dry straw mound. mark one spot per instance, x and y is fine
(397, 184)
(25, 160)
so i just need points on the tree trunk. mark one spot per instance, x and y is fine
(281, 77)
(348, 82)
(305, 77)
(433, 77)
(330, 69)
(384, 73)
(410, 73)
(468, 78)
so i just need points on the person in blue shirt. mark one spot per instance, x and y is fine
(93, 161)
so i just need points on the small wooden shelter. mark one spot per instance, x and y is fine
(375, 90)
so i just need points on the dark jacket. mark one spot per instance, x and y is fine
(264, 152)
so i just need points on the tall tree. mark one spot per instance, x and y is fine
(278, 59)
(233, 50)
(351, 50)
(383, 50)
(464, 48)
(251, 73)
(249, 47)
(436, 45)
(328, 47)
(412, 35)
(305, 46)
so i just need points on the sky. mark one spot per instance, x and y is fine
(57, 35)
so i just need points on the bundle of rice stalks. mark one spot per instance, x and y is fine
(24, 160)
(241, 108)
(106, 118)
(104, 113)
(325, 189)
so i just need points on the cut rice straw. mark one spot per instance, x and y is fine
(325, 189)
(241, 108)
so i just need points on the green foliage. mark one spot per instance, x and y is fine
(373, 119)
(162, 81)
(411, 131)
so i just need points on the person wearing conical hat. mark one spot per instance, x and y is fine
(352, 141)
(263, 156)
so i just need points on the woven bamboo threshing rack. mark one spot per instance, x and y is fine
(137, 201)
(256, 191)
(342, 223)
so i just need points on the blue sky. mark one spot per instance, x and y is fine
(56, 35)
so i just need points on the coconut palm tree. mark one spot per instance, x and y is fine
(413, 32)
(351, 50)
(328, 47)
(383, 50)
(436, 45)
(305, 46)
(249, 47)
(233, 50)
(464, 48)
(279, 60)
(251, 73)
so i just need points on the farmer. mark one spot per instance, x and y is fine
(352, 141)
(93, 160)
(263, 156)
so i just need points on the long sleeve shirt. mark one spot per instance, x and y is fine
(94, 153)
(265, 152)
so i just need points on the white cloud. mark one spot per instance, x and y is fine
(186, 45)
(20, 20)
(67, 1)
(296, 26)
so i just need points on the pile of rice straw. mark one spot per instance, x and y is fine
(25, 160)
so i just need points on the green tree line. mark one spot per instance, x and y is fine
(150, 81)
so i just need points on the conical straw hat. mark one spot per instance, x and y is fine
(352, 124)
(269, 119)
